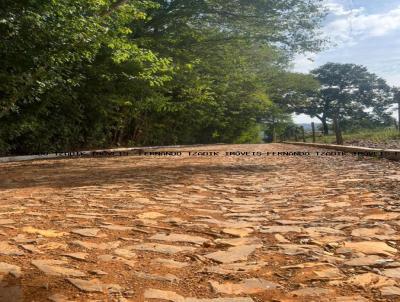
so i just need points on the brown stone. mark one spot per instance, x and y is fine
(174, 297)
(99, 246)
(94, 285)
(89, 232)
(247, 286)
(166, 277)
(161, 248)
(59, 298)
(238, 241)
(55, 268)
(172, 237)
(370, 280)
(383, 216)
(11, 269)
(150, 215)
(281, 229)
(371, 247)
(370, 260)
(312, 291)
(392, 273)
(44, 233)
(238, 232)
(233, 254)
(9, 250)
(77, 256)
(6, 221)
(390, 291)
(351, 299)
(171, 263)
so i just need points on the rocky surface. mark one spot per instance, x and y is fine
(390, 144)
(201, 229)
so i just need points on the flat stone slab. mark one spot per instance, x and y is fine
(234, 268)
(150, 215)
(45, 233)
(5, 221)
(125, 253)
(299, 249)
(89, 232)
(233, 254)
(370, 260)
(390, 291)
(238, 232)
(154, 277)
(247, 286)
(356, 298)
(383, 216)
(174, 297)
(93, 285)
(173, 237)
(161, 248)
(238, 241)
(59, 298)
(56, 268)
(6, 268)
(281, 229)
(170, 263)
(77, 256)
(392, 273)
(371, 247)
(99, 246)
(312, 292)
(372, 232)
(112, 258)
(9, 250)
(370, 280)
(114, 227)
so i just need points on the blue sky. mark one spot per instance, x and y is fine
(365, 32)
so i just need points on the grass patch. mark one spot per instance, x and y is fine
(377, 135)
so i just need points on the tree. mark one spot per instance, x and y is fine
(47, 52)
(83, 74)
(347, 91)
(396, 100)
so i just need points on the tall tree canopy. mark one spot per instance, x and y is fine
(346, 92)
(90, 73)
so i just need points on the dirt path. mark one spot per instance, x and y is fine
(201, 229)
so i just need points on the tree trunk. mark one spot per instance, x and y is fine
(338, 131)
(398, 122)
(313, 132)
(273, 131)
(325, 126)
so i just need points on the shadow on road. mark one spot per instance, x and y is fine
(96, 172)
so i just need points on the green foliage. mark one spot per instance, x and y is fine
(381, 135)
(98, 73)
(252, 135)
(347, 92)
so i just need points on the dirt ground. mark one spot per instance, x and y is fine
(201, 228)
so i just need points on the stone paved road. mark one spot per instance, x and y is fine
(189, 229)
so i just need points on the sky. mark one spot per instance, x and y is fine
(365, 32)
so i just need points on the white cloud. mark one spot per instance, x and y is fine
(362, 37)
(339, 10)
(352, 25)
(393, 79)
(304, 62)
